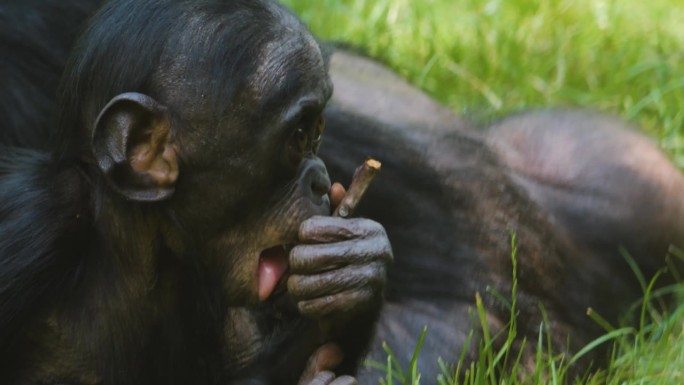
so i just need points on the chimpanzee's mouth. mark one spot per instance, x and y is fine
(273, 271)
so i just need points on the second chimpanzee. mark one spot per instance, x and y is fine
(155, 243)
(574, 187)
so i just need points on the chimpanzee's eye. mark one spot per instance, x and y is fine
(302, 138)
(320, 128)
(318, 134)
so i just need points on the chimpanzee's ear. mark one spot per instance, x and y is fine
(133, 147)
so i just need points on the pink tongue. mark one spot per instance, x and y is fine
(273, 264)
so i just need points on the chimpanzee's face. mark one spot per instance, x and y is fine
(223, 140)
(248, 179)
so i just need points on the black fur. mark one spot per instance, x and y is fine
(38, 35)
(68, 244)
(43, 223)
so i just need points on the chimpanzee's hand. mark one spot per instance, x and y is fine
(328, 378)
(340, 268)
(319, 368)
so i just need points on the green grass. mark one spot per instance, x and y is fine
(652, 353)
(486, 58)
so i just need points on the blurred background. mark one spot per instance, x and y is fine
(487, 58)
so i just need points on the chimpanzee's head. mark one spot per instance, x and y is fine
(205, 116)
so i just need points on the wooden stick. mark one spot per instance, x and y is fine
(362, 178)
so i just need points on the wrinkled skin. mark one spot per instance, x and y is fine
(340, 268)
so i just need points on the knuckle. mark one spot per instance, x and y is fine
(343, 303)
(375, 250)
(374, 228)
(316, 307)
(378, 273)
(306, 227)
(323, 378)
(387, 254)
(379, 230)
(366, 294)
(306, 308)
(305, 258)
(294, 285)
(345, 380)
(300, 253)
(311, 226)
(357, 298)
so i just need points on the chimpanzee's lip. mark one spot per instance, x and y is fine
(273, 271)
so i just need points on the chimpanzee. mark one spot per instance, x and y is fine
(36, 37)
(152, 244)
(572, 186)
(576, 188)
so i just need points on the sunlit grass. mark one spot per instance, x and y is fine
(650, 353)
(485, 58)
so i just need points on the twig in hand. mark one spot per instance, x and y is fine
(362, 178)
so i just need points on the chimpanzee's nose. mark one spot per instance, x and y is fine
(315, 180)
